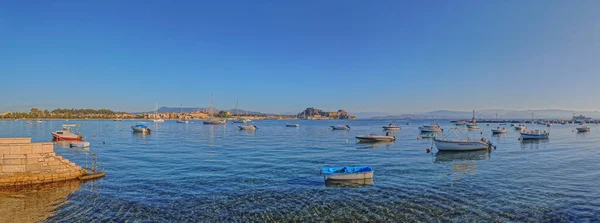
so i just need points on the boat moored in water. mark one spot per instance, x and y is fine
(499, 130)
(391, 127)
(430, 128)
(141, 127)
(81, 144)
(292, 125)
(583, 128)
(347, 173)
(340, 127)
(248, 127)
(66, 134)
(534, 134)
(376, 138)
(463, 143)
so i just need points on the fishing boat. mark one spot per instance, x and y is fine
(347, 173)
(292, 125)
(141, 127)
(391, 127)
(430, 128)
(499, 130)
(376, 138)
(463, 143)
(156, 118)
(211, 120)
(66, 134)
(583, 128)
(81, 144)
(340, 127)
(248, 127)
(534, 134)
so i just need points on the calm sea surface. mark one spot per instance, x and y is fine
(200, 173)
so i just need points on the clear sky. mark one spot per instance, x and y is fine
(282, 56)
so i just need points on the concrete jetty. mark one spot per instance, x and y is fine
(24, 163)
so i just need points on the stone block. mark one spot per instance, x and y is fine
(14, 156)
(11, 162)
(14, 168)
(34, 167)
(26, 149)
(48, 148)
(15, 149)
(4, 150)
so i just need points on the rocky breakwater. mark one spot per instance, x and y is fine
(23, 163)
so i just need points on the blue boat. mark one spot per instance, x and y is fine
(347, 173)
(140, 128)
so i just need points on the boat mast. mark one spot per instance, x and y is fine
(211, 105)
(236, 108)
(473, 120)
(156, 111)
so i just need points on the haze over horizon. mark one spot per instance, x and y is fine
(395, 57)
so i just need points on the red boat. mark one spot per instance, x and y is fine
(66, 134)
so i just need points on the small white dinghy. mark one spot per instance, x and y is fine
(340, 127)
(499, 130)
(463, 143)
(376, 138)
(248, 127)
(391, 127)
(80, 144)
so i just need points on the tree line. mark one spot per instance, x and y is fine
(64, 114)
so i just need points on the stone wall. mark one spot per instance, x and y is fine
(23, 163)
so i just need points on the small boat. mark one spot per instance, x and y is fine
(499, 130)
(239, 121)
(520, 128)
(460, 123)
(408, 123)
(156, 119)
(215, 122)
(117, 120)
(340, 127)
(548, 124)
(428, 135)
(534, 134)
(81, 144)
(583, 128)
(29, 123)
(39, 121)
(140, 127)
(182, 121)
(464, 143)
(66, 133)
(248, 127)
(292, 125)
(430, 128)
(347, 173)
(376, 138)
(472, 126)
(391, 127)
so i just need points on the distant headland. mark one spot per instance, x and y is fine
(172, 113)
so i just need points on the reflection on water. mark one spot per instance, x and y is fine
(34, 203)
(534, 143)
(373, 145)
(450, 156)
(349, 183)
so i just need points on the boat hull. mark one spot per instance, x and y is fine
(182, 121)
(66, 137)
(292, 125)
(496, 131)
(247, 127)
(340, 127)
(447, 145)
(349, 176)
(215, 122)
(583, 129)
(376, 138)
(429, 130)
(80, 144)
(141, 130)
(526, 136)
(391, 127)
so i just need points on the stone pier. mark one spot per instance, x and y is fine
(23, 163)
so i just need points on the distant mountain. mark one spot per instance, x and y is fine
(366, 115)
(499, 113)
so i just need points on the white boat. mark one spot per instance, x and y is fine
(472, 126)
(292, 125)
(39, 121)
(428, 135)
(463, 143)
(460, 123)
(520, 128)
(81, 144)
(141, 127)
(156, 119)
(580, 118)
(376, 138)
(340, 127)
(534, 134)
(583, 128)
(430, 128)
(499, 130)
(238, 119)
(391, 127)
(66, 133)
(211, 120)
(248, 127)
(183, 120)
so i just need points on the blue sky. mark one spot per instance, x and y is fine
(283, 56)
